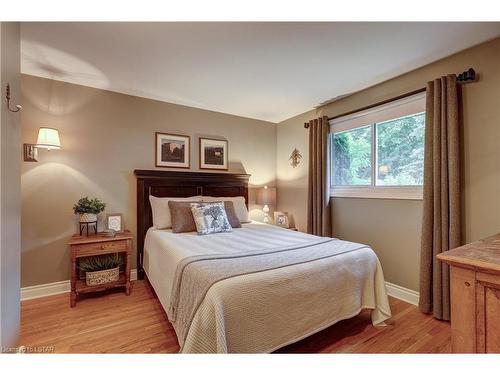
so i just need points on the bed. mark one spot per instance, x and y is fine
(257, 288)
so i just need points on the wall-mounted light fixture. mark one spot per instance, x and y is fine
(48, 138)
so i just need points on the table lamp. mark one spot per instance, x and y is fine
(266, 196)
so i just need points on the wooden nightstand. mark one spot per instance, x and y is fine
(289, 228)
(84, 246)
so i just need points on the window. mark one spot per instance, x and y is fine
(352, 152)
(379, 153)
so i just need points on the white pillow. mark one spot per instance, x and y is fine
(239, 206)
(161, 212)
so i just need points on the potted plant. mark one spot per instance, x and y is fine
(88, 209)
(101, 269)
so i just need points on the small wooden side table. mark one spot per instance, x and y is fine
(99, 244)
(289, 228)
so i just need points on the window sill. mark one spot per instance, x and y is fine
(379, 192)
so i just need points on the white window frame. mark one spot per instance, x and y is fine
(395, 109)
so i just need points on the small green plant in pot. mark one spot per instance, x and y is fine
(101, 269)
(88, 209)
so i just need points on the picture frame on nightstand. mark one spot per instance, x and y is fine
(114, 222)
(281, 219)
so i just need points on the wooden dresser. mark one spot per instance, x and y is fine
(475, 296)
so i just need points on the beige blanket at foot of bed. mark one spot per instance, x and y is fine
(263, 311)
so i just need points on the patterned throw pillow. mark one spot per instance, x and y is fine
(210, 218)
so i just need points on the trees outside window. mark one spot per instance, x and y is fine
(391, 151)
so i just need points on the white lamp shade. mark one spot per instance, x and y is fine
(48, 138)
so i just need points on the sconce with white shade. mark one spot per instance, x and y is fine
(266, 196)
(48, 138)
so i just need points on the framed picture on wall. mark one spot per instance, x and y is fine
(213, 154)
(172, 150)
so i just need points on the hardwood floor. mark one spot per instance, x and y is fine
(116, 323)
(110, 323)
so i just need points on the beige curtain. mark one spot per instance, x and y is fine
(441, 216)
(318, 210)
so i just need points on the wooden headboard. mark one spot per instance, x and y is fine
(180, 184)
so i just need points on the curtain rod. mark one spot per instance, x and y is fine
(464, 77)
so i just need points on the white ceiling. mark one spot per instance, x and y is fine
(268, 71)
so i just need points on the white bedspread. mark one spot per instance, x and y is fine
(263, 311)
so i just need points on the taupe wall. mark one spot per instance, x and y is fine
(292, 182)
(98, 125)
(392, 227)
(10, 188)
(105, 136)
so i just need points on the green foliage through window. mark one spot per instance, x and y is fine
(399, 148)
(352, 157)
(400, 151)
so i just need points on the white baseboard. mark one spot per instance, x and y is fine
(402, 293)
(59, 287)
(44, 290)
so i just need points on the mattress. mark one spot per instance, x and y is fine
(262, 311)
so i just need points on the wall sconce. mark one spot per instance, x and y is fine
(48, 138)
